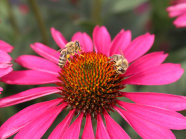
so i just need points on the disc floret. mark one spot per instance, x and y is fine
(90, 83)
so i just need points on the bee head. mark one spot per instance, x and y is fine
(77, 45)
(121, 70)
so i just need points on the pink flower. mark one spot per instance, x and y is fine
(5, 59)
(178, 10)
(142, 8)
(89, 88)
(24, 9)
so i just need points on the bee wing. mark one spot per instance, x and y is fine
(61, 49)
(64, 53)
(69, 44)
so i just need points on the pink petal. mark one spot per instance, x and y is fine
(163, 117)
(180, 21)
(29, 77)
(4, 46)
(146, 62)
(138, 47)
(36, 128)
(102, 40)
(172, 102)
(85, 41)
(74, 130)
(177, 10)
(120, 42)
(88, 132)
(4, 57)
(60, 129)
(24, 117)
(27, 95)
(5, 71)
(114, 129)
(38, 63)
(145, 129)
(5, 65)
(58, 38)
(101, 131)
(1, 89)
(46, 52)
(159, 75)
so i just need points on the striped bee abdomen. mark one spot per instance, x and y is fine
(62, 58)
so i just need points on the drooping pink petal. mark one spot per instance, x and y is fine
(85, 41)
(4, 46)
(58, 38)
(101, 131)
(24, 117)
(36, 128)
(27, 95)
(159, 75)
(168, 101)
(46, 52)
(145, 129)
(4, 57)
(5, 71)
(29, 77)
(74, 130)
(38, 63)
(120, 42)
(102, 40)
(114, 129)
(146, 62)
(162, 117)
(138, 47)
(180, 21)
(88, 132)
(58, 132)
(177, 9)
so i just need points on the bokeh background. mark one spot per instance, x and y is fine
(23, 22)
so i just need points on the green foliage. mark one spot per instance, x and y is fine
(124, 5)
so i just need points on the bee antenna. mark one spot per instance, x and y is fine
(77, 42)
(121, 52)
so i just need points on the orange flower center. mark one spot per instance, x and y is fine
(90, 83)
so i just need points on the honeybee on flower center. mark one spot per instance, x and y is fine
(120, 63)
(71, 48)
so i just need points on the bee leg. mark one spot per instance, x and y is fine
(80, 54)
(59, 50)
(73, 54)
(68, 58)
(110, 59)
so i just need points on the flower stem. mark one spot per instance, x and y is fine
(12, 18)
(96, 11)
(39, 19)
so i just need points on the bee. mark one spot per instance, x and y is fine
(70, 49)
(121, 63)
(62, 58)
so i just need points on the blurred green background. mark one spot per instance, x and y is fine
(23, 22)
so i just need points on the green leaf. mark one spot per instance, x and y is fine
(125, 5)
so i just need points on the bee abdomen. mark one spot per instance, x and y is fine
(61, 62)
